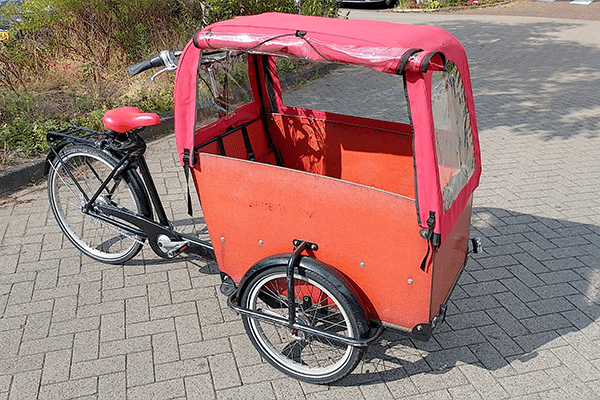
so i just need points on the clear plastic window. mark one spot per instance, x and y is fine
(453, 136)
(344, 89)
(223, 86)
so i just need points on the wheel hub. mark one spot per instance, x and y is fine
(297, 334)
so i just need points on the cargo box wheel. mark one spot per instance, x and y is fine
(319, 304)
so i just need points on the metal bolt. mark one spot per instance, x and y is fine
(222, 238)
(410, 281)
(260, 242)
(362, 264)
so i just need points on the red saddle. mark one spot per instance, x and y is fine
(124, 119)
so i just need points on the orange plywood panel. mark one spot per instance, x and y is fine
(449, 260)
(369, 155)
(254, 210)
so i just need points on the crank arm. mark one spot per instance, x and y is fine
(154, 230)
(151, 228)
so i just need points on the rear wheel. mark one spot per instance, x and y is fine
(89, 167)
(319, 304)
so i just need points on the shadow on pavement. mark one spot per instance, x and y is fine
(533, 77)
(535, 287)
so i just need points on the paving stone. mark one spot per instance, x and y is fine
(526, 384)
(57, 367)
(261, 390)
(519, 289)
(5, 381)
(475, 303)
(69, 389)
(65, 309)
(86, 346)
(101, 366)
(484, 288)
(585, 370)
(263, 372)
(11, 340)
(511, 325)
(51, 343)
(181, 369)
(245, 353)
(158, 294)
(112, 386)
(550, 306)
(559, 276)
(536, 361)
(501, 341)
(224, 371)
(125, 346)
(466, 320)
(546, 322)
(165, 347)
(199, 387)
(484, 383)
(25, 385)
(174, 310)
(113, 325)
(205, 348)
(157, 390)
(150, 327)
(140, 369)
(137, 310)
(570, 383)
(188, 328)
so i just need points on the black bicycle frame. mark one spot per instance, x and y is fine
(147, 227)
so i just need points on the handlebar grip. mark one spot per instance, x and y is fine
(155, 61)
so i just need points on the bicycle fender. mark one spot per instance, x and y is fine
(306, 263)
(53, 153)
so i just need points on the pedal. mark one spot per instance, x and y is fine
(172, 248)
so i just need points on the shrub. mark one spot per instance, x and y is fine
(219, 10)
(64, 61)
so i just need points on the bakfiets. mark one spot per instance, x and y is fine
(326, 227)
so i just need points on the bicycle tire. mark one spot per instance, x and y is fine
(302, 356)
(97, 239)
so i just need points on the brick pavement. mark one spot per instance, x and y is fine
(524, 321)
(539, 8)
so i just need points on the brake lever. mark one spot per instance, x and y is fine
(162, 71)
(169, 59)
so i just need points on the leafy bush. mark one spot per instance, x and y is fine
(219, 10)
(64, 61)
(432, 4)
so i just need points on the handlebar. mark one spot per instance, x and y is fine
(165, 58)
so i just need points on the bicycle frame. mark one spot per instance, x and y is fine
(161, 237)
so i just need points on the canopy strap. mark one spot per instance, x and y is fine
(186, 170)
(433, 240)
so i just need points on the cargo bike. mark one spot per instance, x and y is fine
(326, 227)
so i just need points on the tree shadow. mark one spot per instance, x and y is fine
(535, 286)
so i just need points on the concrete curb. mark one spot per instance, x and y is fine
(21, 175)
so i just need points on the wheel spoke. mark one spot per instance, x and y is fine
(98, 239)
(305, 356)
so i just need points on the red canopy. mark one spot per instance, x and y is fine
(382, 46)
(379, 45)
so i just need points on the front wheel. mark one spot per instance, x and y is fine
(79, 175)
(319, 304)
